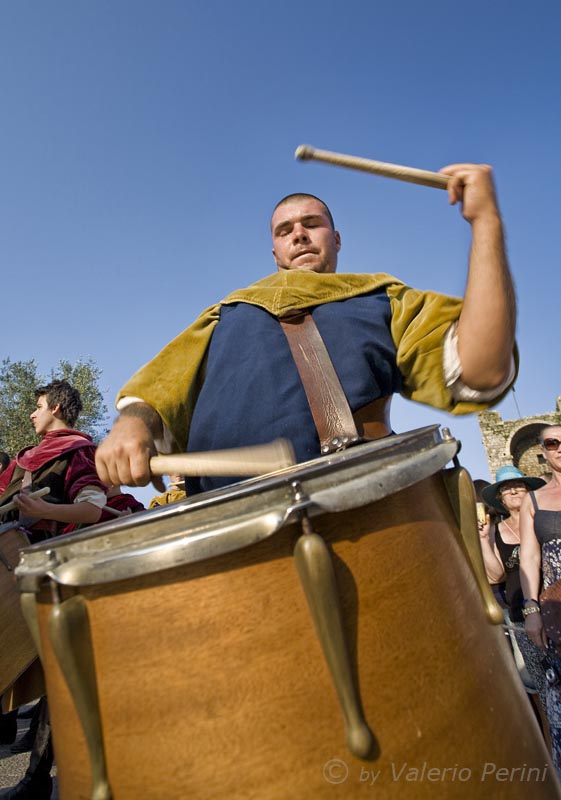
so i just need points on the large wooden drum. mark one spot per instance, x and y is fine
(17, 650)
(323, 632)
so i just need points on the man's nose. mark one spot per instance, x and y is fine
(300, 233)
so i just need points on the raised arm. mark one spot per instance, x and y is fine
(494, 567)
(123, 458)
(488, 319)
(530, 572)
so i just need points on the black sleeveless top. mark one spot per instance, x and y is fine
(510, 556)
(547, 524)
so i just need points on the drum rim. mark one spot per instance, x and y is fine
(315, 467)
(66, 559)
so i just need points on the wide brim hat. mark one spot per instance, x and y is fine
(504, 475)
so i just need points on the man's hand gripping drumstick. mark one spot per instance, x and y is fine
(128, 455)
(489, 310)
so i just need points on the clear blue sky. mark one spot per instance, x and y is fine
(143, 144)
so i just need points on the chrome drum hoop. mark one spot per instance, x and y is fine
(241, 515)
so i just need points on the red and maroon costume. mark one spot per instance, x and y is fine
(63, 461)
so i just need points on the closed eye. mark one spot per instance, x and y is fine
(311, 222)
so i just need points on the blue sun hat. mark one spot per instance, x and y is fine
(490, 494)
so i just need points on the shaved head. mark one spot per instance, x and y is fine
(301, 196)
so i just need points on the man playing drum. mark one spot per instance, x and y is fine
(230, 379)
(63, 462)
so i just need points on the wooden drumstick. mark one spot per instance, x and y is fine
(410, 174)
(11, 505)
(257, 460)
(115, 511)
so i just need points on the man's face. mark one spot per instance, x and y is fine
(303, 237)
(43, 418)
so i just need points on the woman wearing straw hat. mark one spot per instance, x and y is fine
(500, 545)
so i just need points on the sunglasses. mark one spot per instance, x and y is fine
(551, 444)
(513, 487)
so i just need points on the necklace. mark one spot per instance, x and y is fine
(516, 535)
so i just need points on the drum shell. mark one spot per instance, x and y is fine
(17, 649)
(212, 683)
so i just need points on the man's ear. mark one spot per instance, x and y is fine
(338, 240)
(55, 411)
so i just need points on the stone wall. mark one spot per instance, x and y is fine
(515, 441)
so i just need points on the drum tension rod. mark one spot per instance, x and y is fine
(55, 592)
(446, 435)
(302, 503)
(317, 577)
(53, 583)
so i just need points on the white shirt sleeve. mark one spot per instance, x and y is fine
(93, 495)
(453, 369)
(163, 445)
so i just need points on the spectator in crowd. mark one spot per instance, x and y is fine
(175, 491)
(540, 569)
(500, 545)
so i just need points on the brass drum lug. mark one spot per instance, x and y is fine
(317, 577)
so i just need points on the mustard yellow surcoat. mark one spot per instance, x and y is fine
(171, 381)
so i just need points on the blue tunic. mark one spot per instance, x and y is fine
(252, 392)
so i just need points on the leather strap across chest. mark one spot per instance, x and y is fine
(336, 426)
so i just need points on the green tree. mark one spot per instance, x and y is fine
(18, 381)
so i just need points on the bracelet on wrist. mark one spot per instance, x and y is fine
(531, 600)
(527, 610)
